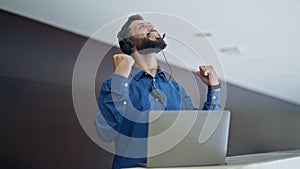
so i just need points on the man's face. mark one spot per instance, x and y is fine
(145, 37)
(142, 29)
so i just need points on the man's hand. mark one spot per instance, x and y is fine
(208, 75)
(122, 64)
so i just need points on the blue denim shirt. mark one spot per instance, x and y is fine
(124, 105)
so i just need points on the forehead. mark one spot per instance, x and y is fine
(136, 23)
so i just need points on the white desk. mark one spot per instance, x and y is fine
(273, 160)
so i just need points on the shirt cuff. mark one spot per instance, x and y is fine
(119, 84)
(213, 97)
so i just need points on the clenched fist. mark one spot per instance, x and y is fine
(122, 64)
(208, 75)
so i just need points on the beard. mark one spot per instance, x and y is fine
(147, 46)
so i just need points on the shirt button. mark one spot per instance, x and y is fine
(126, 84)
(156, 99)
(214, 97)
(124, 103)
(154, 80)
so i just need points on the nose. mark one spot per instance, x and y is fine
(150, 27)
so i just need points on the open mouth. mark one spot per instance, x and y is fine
(153, 34)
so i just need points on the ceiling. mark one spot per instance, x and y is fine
(255, 43)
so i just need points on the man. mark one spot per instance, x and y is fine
(139, 85)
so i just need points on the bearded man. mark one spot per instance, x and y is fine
(138, 86)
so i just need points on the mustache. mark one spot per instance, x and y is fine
(148, 34)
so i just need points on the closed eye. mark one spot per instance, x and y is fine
(140, 26)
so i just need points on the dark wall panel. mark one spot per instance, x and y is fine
(38, 124)
(39, 129)
(261, 123)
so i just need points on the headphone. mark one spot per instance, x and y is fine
(126, 45)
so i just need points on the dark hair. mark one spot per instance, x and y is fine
(124, 33)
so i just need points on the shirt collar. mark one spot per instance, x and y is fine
(137, 73)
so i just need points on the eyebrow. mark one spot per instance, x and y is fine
(142, 23)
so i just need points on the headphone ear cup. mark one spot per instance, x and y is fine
(126, 46)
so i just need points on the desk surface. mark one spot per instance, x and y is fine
(272, 160)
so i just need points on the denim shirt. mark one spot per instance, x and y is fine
(124, 105)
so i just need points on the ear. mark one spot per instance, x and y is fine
(127, 46)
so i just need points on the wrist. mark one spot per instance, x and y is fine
(216, 87)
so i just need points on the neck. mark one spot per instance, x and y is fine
(148, 62)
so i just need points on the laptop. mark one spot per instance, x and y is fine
(187, 138)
